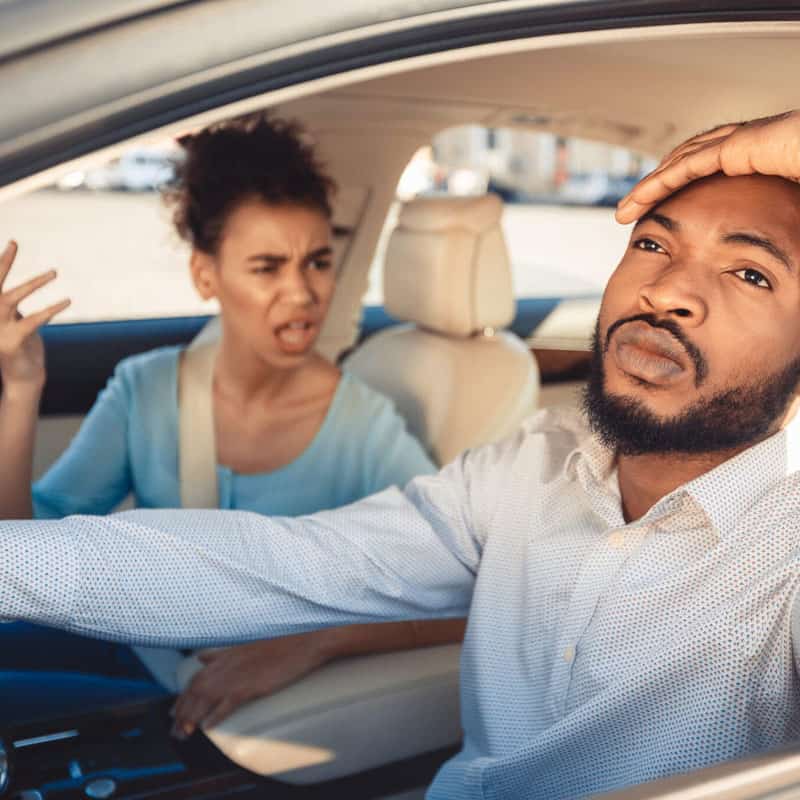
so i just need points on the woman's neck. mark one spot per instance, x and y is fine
(242, 377)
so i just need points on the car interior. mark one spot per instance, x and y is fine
(464, 357)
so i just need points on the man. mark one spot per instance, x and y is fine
(629, 587)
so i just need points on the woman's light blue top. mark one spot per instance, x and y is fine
(129, 443)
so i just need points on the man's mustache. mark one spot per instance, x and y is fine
(697, 358)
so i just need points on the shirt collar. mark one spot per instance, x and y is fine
(726, 492)
(723, 493)
(592, 453)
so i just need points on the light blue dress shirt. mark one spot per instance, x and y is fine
(129, 443)
(598, 653)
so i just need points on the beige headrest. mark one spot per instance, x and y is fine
(447, 266)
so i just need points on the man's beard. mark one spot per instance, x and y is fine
(738, 416)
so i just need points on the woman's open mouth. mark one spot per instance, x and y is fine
(296, 336)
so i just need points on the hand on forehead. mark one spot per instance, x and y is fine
(768, 146)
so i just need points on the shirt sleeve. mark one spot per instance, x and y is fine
(392, 456)
(93, 475)
(196, 578)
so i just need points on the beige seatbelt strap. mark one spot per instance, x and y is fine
(197, 451)
(197, 469)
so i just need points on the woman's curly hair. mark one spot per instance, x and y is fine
(252, 156)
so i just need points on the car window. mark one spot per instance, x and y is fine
(559, 198)
(107, 231)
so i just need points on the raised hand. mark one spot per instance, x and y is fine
(769, 146)
(21, 349)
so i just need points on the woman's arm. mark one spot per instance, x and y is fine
(93, 475)
(23, 374)
(361, 640)
(389, 454)
(19, 411)
(236, 675)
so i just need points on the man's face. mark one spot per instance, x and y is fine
(698, 339)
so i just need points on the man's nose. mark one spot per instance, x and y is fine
(676, 292)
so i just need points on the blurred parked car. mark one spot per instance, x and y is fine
(595, 189)
(583, 189)
(136, 170)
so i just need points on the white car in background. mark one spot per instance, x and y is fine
(136, 170)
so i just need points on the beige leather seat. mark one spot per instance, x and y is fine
(455, 375)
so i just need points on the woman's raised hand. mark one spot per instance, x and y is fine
(21, 348)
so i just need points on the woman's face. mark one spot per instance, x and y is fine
(273, 276)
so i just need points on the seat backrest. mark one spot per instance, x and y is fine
(454, 374)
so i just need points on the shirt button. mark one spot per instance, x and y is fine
(617, 539)
(569, 654)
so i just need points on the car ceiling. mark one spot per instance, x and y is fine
(86, 92)
(646, 94)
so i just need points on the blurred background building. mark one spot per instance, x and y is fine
(524, 167)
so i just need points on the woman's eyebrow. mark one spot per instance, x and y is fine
(268, 257)
(320, 252)
(280, 258)
(766, 244)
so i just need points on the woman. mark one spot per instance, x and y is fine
(254, 206)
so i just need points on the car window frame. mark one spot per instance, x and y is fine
(124, 113)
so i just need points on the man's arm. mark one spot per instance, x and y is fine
(769, 146)
(196, 578)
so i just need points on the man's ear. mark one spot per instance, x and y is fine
(204, 274)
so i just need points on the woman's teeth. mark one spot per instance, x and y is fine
(294, 333)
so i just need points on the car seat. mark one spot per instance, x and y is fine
(456, 376)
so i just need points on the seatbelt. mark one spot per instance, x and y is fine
(197, 469)
(197, 451)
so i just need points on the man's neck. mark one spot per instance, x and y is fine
(645, 479)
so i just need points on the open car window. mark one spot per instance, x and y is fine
(107, 228)
(559, 196)
(107, 231)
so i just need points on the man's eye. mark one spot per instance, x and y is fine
(321, 264)
(264, 269)
(649, 245)
(753, 276)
